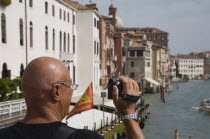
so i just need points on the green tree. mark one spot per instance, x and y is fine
(5, 2)
(8, 89)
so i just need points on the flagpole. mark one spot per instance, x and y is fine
(93, 106)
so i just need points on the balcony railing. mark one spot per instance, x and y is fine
(67, 57)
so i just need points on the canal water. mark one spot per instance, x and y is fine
(179, 112)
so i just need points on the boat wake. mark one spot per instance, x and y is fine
(195, 108)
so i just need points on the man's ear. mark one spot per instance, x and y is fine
(56, 93)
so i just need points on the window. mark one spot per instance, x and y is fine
(31, 34)
(60, 41)
(95, 22)
(30, 3)
(97, 48)
(20, 1)
(68, 43)
(139, 53)
(3, 28)
(53, 40)
(46, 7)
(132, 64)
(94, 47)
(132, 75)
(68, 17)
(60, 14)
(74, 44)
(53, 10)
(74, 19)
(5, 72)
(64, 15)
(132, 53)
(46, 38)
(21, 31)
(64, 42)
(21, 70)
(148, 64)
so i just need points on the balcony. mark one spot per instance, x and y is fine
(114, 58)
(66, 57)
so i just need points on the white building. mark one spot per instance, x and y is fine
(45, 29)
(61, 29)
(191, 66)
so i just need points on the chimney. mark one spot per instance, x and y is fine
(92, 6)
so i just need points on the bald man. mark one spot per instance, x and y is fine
(48, 90)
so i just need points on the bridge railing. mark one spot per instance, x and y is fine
(13, 106)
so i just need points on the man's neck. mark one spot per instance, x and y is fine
(42, 116)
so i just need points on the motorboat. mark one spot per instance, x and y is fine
(205, 105)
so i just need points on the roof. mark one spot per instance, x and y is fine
(145, 30)
(156, 45)
(76, 5)
(136, 44)
(189, 56)
(105, 17)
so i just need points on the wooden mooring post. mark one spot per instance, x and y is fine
(176, 134)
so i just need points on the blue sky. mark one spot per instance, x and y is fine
(187, 21)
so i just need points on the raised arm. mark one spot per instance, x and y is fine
(132, 128)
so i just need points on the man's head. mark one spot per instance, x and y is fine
(41, 92)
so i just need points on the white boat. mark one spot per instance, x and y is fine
(205, 105)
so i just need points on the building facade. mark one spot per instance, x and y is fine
(191, 66)
(36, 28)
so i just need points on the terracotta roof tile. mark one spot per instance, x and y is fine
(155, 44)
(189, 56)
(145, 30)
(136, 44)
(76, 5)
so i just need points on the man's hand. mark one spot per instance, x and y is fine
(129, 87)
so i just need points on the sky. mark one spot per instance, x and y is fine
(186, 21)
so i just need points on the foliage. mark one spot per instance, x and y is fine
(9, 88)
(117, 129)
(179, 76)
(5, 3)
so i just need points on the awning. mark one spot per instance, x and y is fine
(88, 118)
(152, 81)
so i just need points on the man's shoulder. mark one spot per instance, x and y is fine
(84, 134)
(5, 132)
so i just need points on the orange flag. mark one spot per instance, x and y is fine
(85, 103)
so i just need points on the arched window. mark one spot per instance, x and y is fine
(64, 42)
(60, 41)
(21, 31)
(21, 70)
(30, 3)
(53, 40)
(74, 44)
(46, 38)
(3, 28)
(5, 72)
(31, 34)
(68, 43)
